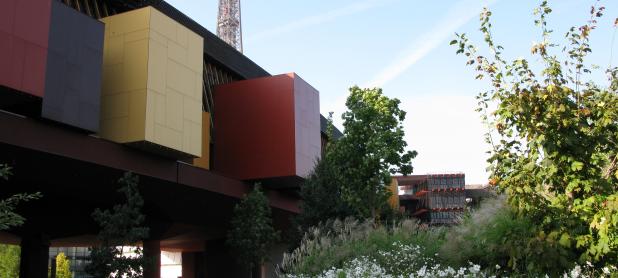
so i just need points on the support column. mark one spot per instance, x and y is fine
(219, 262)
(34, 256)
(152, 251)
(188, 265)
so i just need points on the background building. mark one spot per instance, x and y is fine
(433, 198)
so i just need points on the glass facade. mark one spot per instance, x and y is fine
(78, 257)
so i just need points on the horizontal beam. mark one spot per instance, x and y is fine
(66, 142)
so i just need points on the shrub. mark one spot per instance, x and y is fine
(554, 149)
(252, 232)
(338, 242)
(495, 235)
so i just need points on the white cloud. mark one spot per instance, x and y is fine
(458, 15)
(318, 19)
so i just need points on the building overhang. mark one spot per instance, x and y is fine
(48, 138)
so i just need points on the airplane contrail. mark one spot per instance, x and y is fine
(457, 16)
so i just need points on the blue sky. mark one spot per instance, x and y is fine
(402, 46)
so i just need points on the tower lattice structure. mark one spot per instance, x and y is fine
(229, 27)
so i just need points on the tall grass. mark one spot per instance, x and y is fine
(489, 236)
(490, 241)
(495, 235)
(338, 242)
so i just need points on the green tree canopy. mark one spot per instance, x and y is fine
(371, 150)
(321, 192)
(252, 232)
(8, 217)
(121, 227)
(554, 143)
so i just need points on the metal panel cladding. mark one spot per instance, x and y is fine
(24, 31)
(74, 60)
(152, 83)
(266, 128)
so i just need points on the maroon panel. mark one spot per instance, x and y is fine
(254, 128)
(307, 126)
(7, 14)
(35, 61)
(31, 21)
(24, 31)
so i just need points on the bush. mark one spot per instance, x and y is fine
(553, 143)
(495, 235)
(9, 260)
(337, 243)
(491, 242)
(252, 233)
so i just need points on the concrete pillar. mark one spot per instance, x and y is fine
(188, 265)
(34, 256)
(152, 252)
(219, 262)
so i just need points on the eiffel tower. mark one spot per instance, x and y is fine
(228, 23)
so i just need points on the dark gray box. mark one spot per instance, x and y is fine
(73, 71)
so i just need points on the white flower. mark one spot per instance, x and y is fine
(497, 266)
(475, 268)
(421, 272)
(587, 262)
(576, 271)
(606, 270)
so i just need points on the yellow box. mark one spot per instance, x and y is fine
(152, 76)
(204, 160)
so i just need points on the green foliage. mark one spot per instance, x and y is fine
(120, 227)
(9, 260)
(337, 242)
(63, 266)
(252, 233)
(371, 149)
(554, 144)
(321, 193)
(8, 217)
(495, 235)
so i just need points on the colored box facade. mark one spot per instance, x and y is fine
(73, 75)
(24, 33)
(266, 128)
(53, 52)
(152, 83)
(204, 160)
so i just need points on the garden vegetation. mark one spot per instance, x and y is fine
(553, 162)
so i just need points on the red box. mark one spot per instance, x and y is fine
(24, 32)
(266, 128)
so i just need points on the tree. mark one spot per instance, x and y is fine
(9, 260)
(252, 233)
(371, 150)
(321, 192)
(121, 227)
(8, 217)
(63, 266)
(554, 144)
